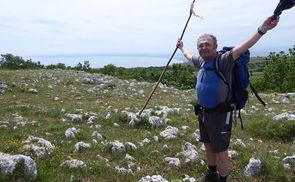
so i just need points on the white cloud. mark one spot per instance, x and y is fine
(49, 27)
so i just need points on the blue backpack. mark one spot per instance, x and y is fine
(240, 81)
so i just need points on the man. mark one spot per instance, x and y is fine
(215, 126)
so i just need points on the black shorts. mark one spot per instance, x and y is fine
(215, 128)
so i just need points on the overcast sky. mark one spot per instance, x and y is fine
(93, 27)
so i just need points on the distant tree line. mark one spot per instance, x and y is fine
(277, 73)
(15, 62)
(9, 61)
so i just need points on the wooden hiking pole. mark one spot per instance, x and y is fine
(163, 72)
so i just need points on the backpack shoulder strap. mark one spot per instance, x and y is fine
(217, 69)
(221, 75)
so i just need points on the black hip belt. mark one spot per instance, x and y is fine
(222, 108)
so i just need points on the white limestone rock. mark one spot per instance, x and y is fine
(156, 122)
(39, 146)
(71, 132)
(74, 163)
(253, 167)
(133, 118)
(122, 170)
(147, 113)
(156, 138)
(144, 141)
(169, 133)
(233, 154)
(165, 148)
(74, 117)
(188, 179)
(117, 147)
(172, 161)
(8, 164)
(32, 91)
(87, 80)
(289, 160)
(153, 178)
(285, 116)
(130, 146)
(17, 118)
(80, 146)
(240, 143)
(91, 119)
(129, 157)
(196, 135)
(97, 136)
(189, 151)
(3, 87)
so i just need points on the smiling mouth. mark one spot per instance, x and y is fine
(204, 52)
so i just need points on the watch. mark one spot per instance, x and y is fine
(260, 32)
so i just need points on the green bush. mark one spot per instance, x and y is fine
(57, 66)
(268, 129)
(15, 62)
(279, 73)
(181, 76)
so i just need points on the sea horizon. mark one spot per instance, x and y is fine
(117, 59)
(99, 61)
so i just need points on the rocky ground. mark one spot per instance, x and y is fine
(75, 126)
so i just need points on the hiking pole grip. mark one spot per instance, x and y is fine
(165, 69)
(282, 5)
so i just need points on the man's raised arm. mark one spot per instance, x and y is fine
(267, 25)
(187, 53)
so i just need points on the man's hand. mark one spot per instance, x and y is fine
(187, 53)
(269, 24)
(179, 44)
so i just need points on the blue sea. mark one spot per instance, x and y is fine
(99, 61)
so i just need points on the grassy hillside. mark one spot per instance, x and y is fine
(38, 103)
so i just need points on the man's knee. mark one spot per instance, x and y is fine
(222, 155)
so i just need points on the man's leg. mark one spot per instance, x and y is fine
(211, 156)
(222, 161)
(212, 175)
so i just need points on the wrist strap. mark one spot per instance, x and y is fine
(260, 32)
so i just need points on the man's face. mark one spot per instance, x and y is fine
(207, 48)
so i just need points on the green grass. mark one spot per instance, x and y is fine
(46, 118)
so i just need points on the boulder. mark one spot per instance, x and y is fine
(8, 164)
